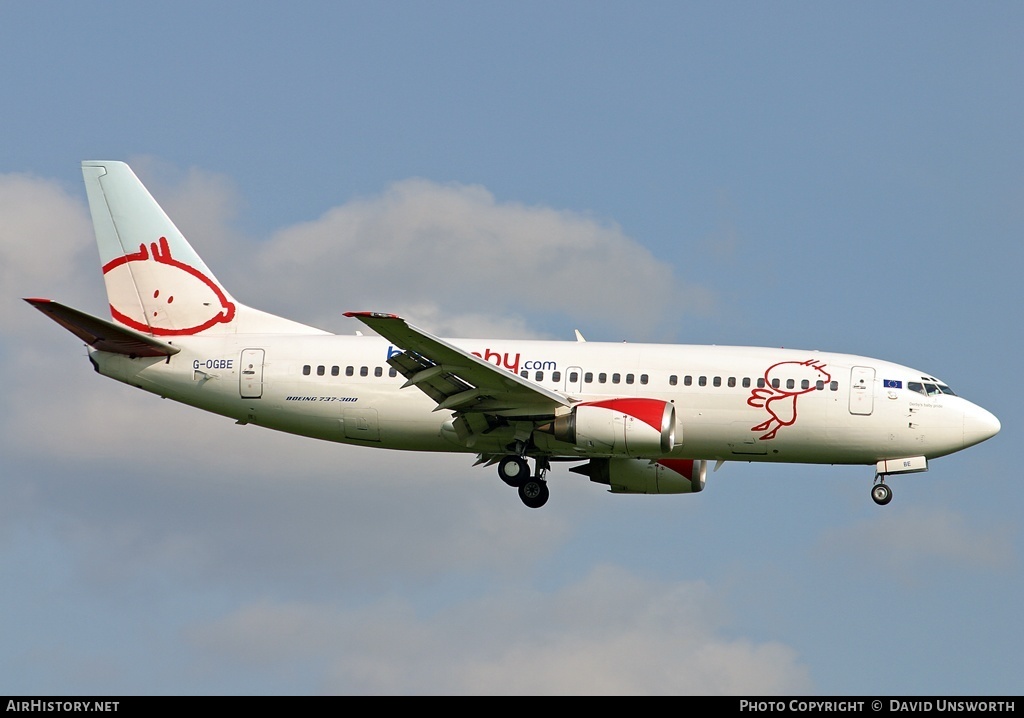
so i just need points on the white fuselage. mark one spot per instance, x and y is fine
(810, 407)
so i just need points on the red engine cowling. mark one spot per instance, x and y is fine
(637, 476)
(618, 427)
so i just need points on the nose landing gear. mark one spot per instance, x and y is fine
(881, 494)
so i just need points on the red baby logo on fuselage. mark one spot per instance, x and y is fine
(779, 402)
(175, 297)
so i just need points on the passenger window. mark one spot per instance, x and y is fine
(834, 386)
(776, 383)
(616, 378)
(539, 376)
(335, 370)
(306, 369)
(525, 374)
(805, 384)
(819, 385)
(392, 372)
(760, 383)
(350, 371)
(320, 370)
(672, 380)
(703, 381)
(588, 377)
(364, 371)
(643, 378)
(574, 376)
(629, 378)
(717, 381)
(556, 376)
(687, 380)
(732, 381)
(602, 378)
(746, 382)
(790, 383)
(378, 371)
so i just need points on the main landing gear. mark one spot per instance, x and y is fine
(515, 471)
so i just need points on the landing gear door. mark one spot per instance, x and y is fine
(862, 390)
(250, 375)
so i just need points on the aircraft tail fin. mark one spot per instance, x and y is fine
(156, 282)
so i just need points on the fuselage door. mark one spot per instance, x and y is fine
(862, 390)
(250, 375)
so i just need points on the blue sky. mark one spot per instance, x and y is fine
(834, 176)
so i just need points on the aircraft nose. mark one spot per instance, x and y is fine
(979, 425)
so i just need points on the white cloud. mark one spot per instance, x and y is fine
(609, 633)
(458, 248)
(44, 238)
(451, 257)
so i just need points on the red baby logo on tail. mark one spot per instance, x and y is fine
(781, 403)
(175, 298)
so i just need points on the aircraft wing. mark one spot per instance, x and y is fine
(101, 334)
(457, 380)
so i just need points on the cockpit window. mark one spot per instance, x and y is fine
(929, 389)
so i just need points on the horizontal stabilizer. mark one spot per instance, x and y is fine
(101, 334)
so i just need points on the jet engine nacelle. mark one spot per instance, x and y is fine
(637, 476)
(619, 427)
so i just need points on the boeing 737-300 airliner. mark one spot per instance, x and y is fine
(639, 418)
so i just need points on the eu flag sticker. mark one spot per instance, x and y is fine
(892, 384)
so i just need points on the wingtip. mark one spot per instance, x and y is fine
(371, 315)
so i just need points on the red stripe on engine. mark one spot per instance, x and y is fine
(683, 467)
(649, 411)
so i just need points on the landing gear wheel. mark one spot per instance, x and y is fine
(513, 470)
(534, 492)
(881, 494)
